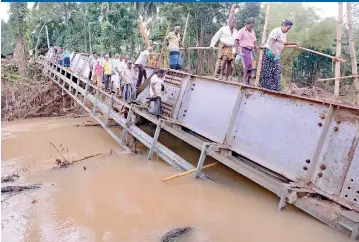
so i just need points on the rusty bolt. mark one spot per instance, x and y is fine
(320, 124)
(305, 168)
(308, 161)
(320, 174)
(322, 115)
(323, 167)
(336, 129)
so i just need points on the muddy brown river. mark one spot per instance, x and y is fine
(121, 197)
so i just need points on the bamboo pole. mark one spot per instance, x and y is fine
(264, 38)
(47, 37)
(352, 51)
(144, 34)
(162, 49)
(185, 29)
(188, 172)
(334, 78)
(198, 48)
(339, 49)
(316, 52)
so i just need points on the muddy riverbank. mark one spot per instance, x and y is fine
(120, 197)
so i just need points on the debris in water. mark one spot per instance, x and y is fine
(10, 178)
(174, 234)
(34, 201)
(64, 163)
(8, 189)
(85, 168)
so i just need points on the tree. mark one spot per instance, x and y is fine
(6, 41)
(17, 21)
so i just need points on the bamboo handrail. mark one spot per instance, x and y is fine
(333, 78)
(316, 52)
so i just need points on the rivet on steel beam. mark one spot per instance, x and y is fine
(305, 168)
(322, 115)
(185, 111)
(336, 129)
(192, 89)
(338, 122)
(320, 124)
(308, 161)
(320, 174)
(323, 167)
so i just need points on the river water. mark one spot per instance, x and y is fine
(121, 197)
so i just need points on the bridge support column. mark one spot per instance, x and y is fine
(201, 159)
(85, 94)
(128, 122)
(95, 102)
(155, 138)
(109, 110)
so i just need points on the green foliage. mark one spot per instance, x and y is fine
(6, 40)
(113, 27)
(17, 20)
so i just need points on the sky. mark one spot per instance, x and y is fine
(327, 9)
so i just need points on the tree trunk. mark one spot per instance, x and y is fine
(20, 55)
(352, 51)
(339, 49)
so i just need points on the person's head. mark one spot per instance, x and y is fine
(107, 57)
(129, 64)
(150, 49)
(286, 25)
(176, 29)
(160, 73)
(126, 58)
(250, 23)
(95, 55)
(232, 23)
(117, 56)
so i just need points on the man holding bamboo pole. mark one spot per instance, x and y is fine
(226, 36)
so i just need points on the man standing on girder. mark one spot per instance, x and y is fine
(226, 36)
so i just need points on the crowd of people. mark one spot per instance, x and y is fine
(123, 77)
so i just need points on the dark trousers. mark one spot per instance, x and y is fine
(106, 80)
(141, 74)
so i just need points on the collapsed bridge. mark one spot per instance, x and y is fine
(303, 150)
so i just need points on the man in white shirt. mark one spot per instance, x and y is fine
(117, 69)
(156, 92)
(128, 78)
(140, 63)
(227, 49)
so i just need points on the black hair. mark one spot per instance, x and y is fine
(287, 22)
(161, 71)
(250, 21)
